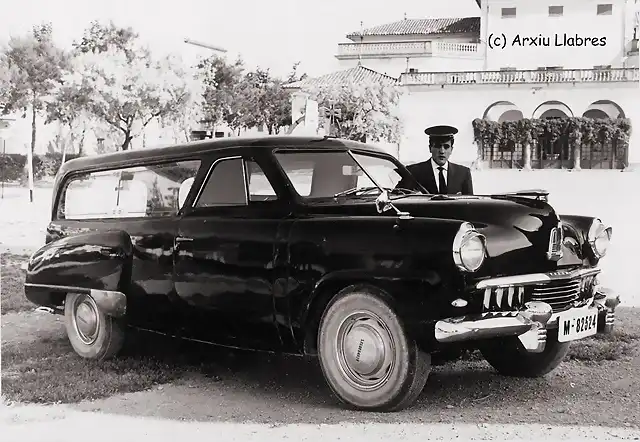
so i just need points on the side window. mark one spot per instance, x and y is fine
(90, 196)
(143, 191)
(225, 185)
(167, 185)
(260, 189)
(299, 169)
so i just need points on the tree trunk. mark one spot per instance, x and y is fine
(127, 141)
(81, 145)
(33, 147)
(527, 156)
(576, 157)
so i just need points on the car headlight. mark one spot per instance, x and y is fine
(469, 248)
(599, 238)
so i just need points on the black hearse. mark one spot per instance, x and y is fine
(305, 245)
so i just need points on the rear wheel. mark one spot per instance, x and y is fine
(366, 356)
(92, 333)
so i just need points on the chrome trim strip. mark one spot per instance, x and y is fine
(556, 238)
(535, 278)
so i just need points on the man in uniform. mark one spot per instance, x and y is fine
(437, 174)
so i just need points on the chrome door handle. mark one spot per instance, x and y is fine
(183, 239)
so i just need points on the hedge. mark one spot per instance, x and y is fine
(13, 166)
(579, 131)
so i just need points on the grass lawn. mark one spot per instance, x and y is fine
(12, 297)
(39, 365)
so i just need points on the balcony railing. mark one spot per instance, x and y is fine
(523, 76)
(415, 48)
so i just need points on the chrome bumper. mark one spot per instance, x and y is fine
(529, 324)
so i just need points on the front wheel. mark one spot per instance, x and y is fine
(506, 356)
(92, 333)
(366, 356)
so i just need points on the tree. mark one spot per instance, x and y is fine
(189, 115)
(368, 109)
(222, 84)
(127, 87)
(33, 67)
(4, 84)
(68, 108)
(268, 103)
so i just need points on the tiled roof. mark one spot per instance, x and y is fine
(355, 75)
(424, 26)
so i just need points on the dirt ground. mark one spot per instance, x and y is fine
(272, 390)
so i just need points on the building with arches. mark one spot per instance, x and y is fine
(517, 59)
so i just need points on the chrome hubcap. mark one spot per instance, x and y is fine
(365, 349)
(86, 319)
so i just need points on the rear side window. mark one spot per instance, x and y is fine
(143, 191)
(235, 181)
(225, 186)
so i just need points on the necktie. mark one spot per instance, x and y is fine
(442, 184)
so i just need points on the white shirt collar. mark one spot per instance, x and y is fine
(435, 166)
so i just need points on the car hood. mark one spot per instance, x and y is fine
(517, 228)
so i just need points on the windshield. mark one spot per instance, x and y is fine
(330, 174)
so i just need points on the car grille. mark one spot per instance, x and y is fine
(559, 294)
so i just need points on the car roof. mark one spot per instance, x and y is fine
(134, 156)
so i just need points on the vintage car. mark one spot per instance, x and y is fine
(307, 246)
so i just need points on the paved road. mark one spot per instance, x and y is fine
(57, 423)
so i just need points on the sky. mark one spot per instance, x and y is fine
(272, 34)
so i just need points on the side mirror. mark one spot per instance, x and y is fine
(382, 202)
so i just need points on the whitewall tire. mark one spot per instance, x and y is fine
(92, 333)
(366, 355)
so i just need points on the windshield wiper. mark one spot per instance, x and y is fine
(363, 190)
(355, 190)
(403, 190)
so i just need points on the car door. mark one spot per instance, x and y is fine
(141, 200)
(228, 256)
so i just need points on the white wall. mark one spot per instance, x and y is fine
(423, 106)
(439, 61)
(532, 19)
(396, 66)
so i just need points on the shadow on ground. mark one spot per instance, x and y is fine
(217, 384)
(167, 378)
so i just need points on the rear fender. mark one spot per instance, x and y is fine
(96, 263)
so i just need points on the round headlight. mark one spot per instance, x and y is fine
(469, 248)
(599, 238)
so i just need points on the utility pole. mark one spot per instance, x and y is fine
(204, 45)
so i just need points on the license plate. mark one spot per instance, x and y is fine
(577, 325)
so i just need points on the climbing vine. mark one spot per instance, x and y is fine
(579, 131)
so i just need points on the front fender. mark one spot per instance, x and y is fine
(98, 263)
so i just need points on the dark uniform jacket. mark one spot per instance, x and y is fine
(458, 178)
